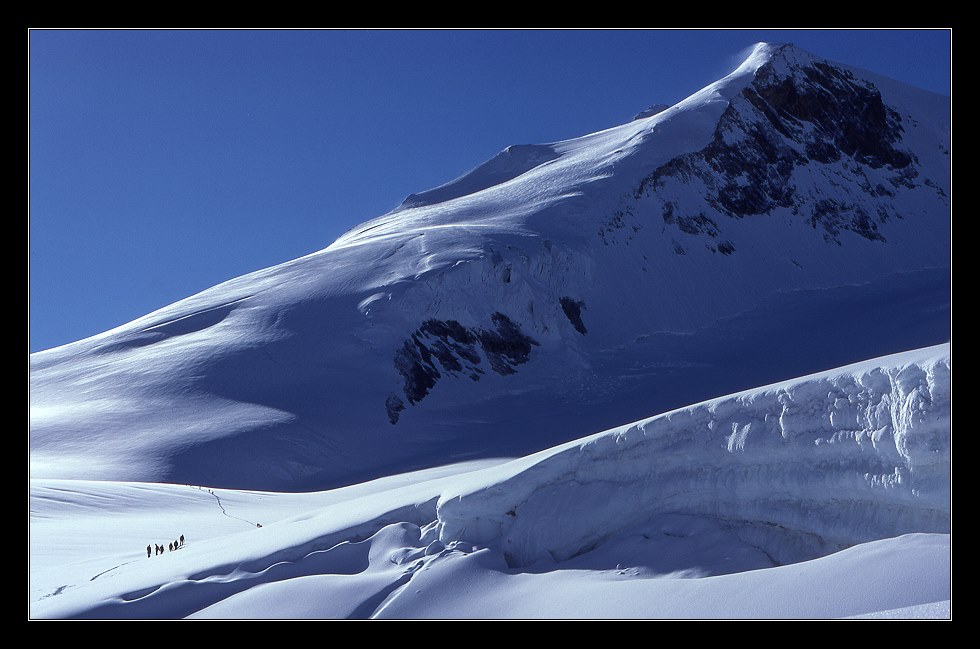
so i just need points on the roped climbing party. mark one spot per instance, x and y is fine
(157, 548)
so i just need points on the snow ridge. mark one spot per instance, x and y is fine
(510, 163)
(801, 468)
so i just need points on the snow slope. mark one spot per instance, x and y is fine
(403, 424)
(556, 290)
(821, 497)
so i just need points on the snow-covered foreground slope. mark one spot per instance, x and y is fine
(825, 496)
(790, 217)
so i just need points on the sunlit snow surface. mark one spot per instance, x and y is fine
(822, 497)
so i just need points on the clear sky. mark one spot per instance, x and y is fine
(163, 162)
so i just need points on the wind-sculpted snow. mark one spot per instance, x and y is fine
(801, 469)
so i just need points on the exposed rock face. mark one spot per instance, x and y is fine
(457, 350)
(783, 142)
(573, 311)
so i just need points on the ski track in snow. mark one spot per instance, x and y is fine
(217, 499)
(109, 570)
(58, 590)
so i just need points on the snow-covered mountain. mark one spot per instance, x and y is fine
(822, 497)
(791, 217)
(405, 424)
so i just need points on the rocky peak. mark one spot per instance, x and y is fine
(827, 109)
(801, 126)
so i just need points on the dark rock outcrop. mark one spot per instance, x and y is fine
(573, 311)
(439, 346)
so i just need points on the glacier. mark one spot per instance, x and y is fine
(404, 423)
(823, 463)
(825, 496)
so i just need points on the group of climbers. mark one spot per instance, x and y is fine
(159, 549)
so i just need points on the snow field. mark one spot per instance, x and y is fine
(821, 496)
(719, 510)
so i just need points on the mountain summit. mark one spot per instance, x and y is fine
(790, 217)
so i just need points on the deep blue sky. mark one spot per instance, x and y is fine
(164, 162)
